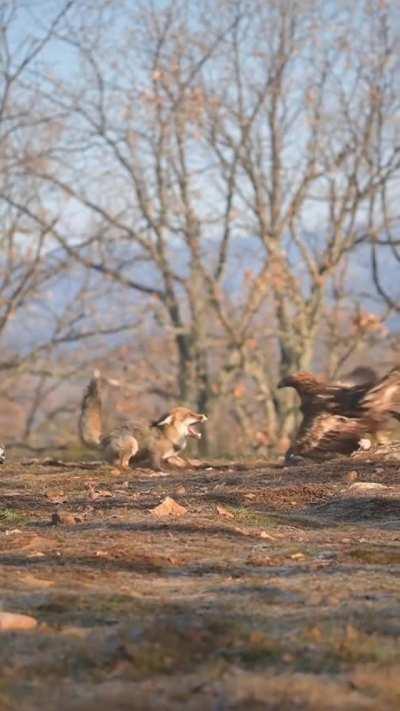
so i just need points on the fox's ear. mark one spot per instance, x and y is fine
(163, 420)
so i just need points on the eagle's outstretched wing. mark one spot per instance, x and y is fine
(337, 416)
(383, 399)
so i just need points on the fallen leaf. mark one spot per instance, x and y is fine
(100, 494)
(36, 554)
(168, 507)
(366, 486)
(242, 531)
(11, 621)
(264, 534)
(56, 498)
(258, 561)
(63, 517)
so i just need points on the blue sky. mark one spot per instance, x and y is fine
(35, 17)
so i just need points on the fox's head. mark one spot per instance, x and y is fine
(182, 420)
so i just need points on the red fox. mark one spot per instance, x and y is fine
(157, 442)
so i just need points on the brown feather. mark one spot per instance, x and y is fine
(337, 416)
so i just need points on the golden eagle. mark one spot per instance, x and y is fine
(337, 416)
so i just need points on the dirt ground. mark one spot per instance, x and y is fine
(277, 588)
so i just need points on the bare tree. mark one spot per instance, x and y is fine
(47, 304)
(229, 170)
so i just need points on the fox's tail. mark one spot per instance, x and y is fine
(90, 425)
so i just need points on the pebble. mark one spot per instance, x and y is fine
(351, 475)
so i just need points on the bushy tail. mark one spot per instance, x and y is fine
(90, 425)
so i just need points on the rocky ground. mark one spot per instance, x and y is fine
(261, 588)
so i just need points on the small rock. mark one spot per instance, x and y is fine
(11, 621)
(168, 507)
(180, 491)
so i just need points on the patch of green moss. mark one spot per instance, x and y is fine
(252, 518)
(11, 517)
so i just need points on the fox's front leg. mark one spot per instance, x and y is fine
(176, 461)
(195, 463)
(155, 461)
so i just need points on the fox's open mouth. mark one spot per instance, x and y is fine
(193, 432)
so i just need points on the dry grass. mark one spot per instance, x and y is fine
(289, 601)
